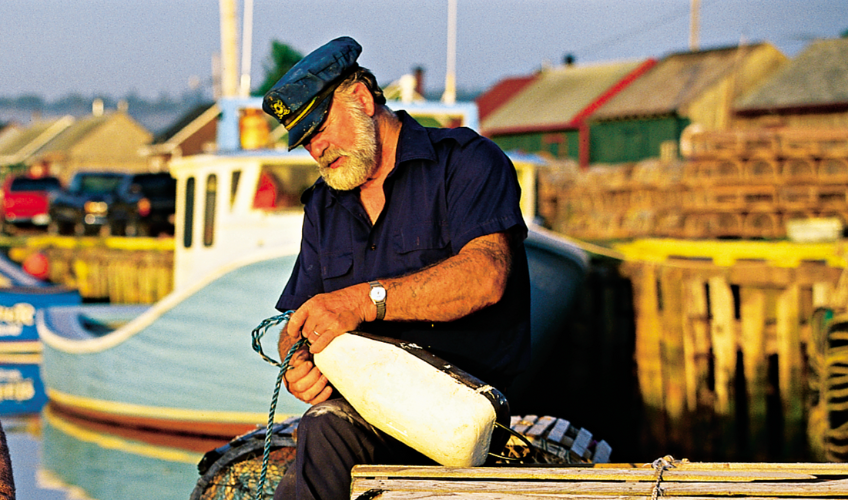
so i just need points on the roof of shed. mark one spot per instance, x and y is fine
(37, 131)
(557, 96)
(182, 122)
(73, 134)
(817, 76)
(501, 93)
(673, 83)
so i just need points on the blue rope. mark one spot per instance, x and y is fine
(257, 334)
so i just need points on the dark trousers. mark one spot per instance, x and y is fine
(331, 438)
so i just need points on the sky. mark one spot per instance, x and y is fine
(150, 48)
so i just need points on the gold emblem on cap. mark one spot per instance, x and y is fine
(280, 109)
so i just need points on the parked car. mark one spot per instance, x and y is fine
(83, 208)
(145, 206)
(115, 203)
(26, 200)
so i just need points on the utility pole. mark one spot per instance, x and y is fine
(229, 49)
(694, 26)
(449, 97)
(246, 45)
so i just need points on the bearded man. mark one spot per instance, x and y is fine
(412, 233)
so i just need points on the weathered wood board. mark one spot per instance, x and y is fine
(670, 478)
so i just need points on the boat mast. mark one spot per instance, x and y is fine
(449, 97)
(229, 49)
(246, 44)
(694, 26)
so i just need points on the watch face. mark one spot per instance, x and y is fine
(378, 294)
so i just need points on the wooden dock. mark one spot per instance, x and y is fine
(663, 477)
(115, 270)
(725, 342)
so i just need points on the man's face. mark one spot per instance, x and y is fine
(345, 146)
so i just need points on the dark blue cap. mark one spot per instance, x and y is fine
(301, 99)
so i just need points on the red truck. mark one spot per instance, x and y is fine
(26, 200)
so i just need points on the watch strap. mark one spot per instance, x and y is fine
(381, 304)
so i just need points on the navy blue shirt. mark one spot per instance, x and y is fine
(448, 187)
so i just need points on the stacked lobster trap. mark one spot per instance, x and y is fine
(738, 184)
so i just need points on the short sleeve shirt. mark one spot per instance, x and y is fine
(448, 187)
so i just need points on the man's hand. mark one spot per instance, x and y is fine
(328, 315)
(303, 379)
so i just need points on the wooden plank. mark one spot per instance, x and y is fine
(822, 291)
(427, 495)
(724, 344)
(760, 274)
(696, 481)
(790, 369)
(587, 474)
(531, 489)
(673, 359)
(696, 343)
(815, 468)
(755, 359)
(647, 348)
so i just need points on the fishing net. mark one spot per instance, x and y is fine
(232, 471)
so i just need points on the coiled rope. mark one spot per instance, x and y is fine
(661, 465)
(256, 335)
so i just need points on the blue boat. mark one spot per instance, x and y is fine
(21, 389)
(21, 295)
(185, 364)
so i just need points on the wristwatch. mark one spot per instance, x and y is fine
(378, 297)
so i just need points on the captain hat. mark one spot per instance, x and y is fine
(301, 99)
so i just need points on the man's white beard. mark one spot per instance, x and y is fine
(361, 160)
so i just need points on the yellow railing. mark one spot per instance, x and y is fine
(117, 270)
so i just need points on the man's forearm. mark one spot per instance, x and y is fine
(460, 285)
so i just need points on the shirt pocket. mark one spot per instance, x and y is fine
(336, 265)
(426, 236)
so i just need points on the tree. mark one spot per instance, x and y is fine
(281, 59)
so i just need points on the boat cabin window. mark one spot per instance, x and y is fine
(209, 210)
(280, 185)
(234, 186)
(189, 213)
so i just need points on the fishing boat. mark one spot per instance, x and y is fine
(185, 364)
(21, 389)
(91, 460)
(21, 295)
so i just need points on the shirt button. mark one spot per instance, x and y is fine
(373, 247)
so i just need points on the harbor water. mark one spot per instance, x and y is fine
(54, 458)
